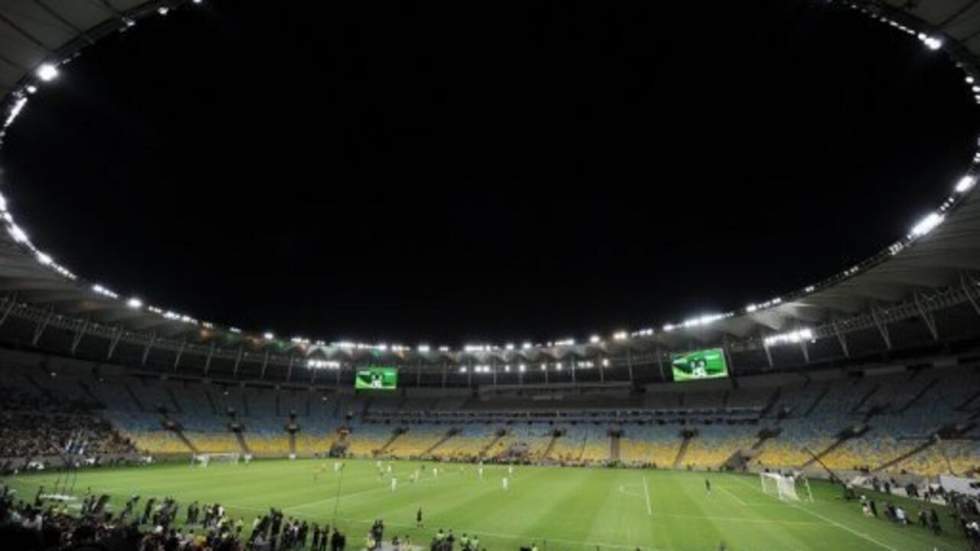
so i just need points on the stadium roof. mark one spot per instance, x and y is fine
(931, 268)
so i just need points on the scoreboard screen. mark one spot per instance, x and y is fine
(699, 364)
(376, 378)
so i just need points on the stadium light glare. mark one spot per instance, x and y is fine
(31, 89)
(17, 233)
(509, 346)
(163, 10)
(134, 303)
(522, 368)
(47, 72)
(12, 116)
(933, 43)
(44, 258)
(423, 348)
(595, 339)
(965, 184)
(104, 291)
(605, 362)
(268, 335)
(970, 80)
(620, 336)
(926, 224)
(797, 336)
(526, 345)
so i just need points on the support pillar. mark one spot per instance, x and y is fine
(149, 345)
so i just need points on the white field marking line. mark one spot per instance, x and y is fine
(344, 496)
(699, 517)
(729, 492)
(828, 520)
(525, 537)
(115, 488)
(646, 493)
(927, 542)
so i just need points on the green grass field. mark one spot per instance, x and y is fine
(559, 508)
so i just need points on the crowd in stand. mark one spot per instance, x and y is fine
(964, 510)
(36, 525)
(25, 398)
(35, 424)
(49, 434)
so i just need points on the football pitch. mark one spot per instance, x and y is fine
(556, 508)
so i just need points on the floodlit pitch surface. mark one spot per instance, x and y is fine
(557, 508)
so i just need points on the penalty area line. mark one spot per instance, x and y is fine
(646, 493)
(828, 520)
(735, 497)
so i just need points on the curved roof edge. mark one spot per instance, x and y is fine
(932, 267)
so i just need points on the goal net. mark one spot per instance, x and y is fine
(204, 459)
(786, 487)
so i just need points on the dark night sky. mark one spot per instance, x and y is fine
(456, 173)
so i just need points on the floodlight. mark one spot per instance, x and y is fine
(47, 72)
(134, 303)
(965, 184)
(927, 224)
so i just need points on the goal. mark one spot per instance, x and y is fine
(786, 487)
(204, 459)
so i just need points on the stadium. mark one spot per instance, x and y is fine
(842, 415)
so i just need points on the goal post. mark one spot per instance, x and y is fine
(795, 487)
(205, 459)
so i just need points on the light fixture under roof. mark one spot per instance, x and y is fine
(47, 72)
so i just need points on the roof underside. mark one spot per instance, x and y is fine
(36, 31)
